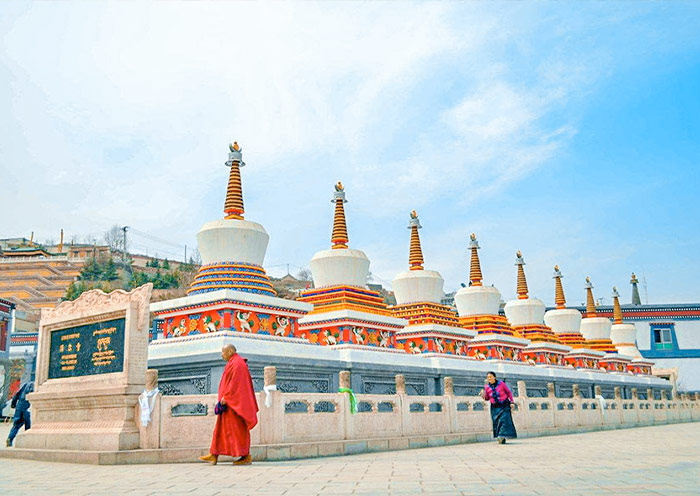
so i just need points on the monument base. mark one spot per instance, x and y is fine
(101, 420)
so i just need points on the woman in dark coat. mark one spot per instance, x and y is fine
(501, 400)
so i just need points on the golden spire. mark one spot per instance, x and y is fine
(415, 254)
(590, 303)
(559, 299)
(339, 237)
(522, 282)
(617, 310)
(475, 276)
(233, 208)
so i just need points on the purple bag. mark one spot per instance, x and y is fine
(219, 408)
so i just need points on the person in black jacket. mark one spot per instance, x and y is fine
(22, 414)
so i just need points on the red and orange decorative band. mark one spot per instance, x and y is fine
(345, 298)
(426, 313)
(231, 275)
(487, 324)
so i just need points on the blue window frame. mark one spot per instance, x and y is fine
(663, 337)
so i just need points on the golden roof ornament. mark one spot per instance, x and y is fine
(590, 302)
(233, 206)
(559, 298)
(415, 254)
(522, 282)
(617, 310)
(475, 276)
(339, 236)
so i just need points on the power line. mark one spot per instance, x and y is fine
(157, 239)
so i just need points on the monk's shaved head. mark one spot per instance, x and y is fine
(228, 351)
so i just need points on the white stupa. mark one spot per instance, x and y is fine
(478, 308)
(432, 327)
(346, 312)
(566, 324)
(526, 316)
(339, 265)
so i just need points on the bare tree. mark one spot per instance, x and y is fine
(304, 274)
(114, 238)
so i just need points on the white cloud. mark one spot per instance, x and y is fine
(121, 113)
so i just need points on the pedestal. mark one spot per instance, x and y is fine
(91, 367)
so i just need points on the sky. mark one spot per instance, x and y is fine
(567, 130)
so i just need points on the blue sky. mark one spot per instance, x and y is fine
(570, 131)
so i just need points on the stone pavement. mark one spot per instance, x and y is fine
(647, 460)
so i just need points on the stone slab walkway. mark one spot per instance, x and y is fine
(647, 460)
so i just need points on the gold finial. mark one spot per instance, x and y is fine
(559, 299)
(522, 282)
(475, 276)
(233, 206)
(590, 302)
(415, 253)
(617, 310)
(339, 236)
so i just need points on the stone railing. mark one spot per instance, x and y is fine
(297, 425)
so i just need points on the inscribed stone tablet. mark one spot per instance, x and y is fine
(87, 350)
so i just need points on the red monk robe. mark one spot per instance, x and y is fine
(232, 431)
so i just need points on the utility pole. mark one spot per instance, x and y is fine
(124, 245)
(185, 260)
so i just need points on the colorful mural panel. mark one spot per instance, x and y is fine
(349, 334)
(495, 352)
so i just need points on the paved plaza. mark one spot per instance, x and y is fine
(648, 460)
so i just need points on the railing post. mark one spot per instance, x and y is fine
(402, 403)
(576, 394)
(149, 436)
(272, 422)
(344, 403)
(523, 410)
(598, 396)
(451, 403)
(400, 384)
(449, 386)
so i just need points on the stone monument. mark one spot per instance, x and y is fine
(91, 367)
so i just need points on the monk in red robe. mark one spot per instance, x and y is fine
(239, 411)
